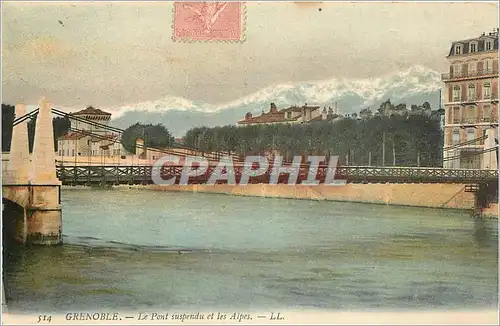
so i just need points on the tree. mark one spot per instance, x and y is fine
(365, 113)
(7, 120)
(155, 136)
(385, 107)
(400, 107)
(412, 137)
(61, 127)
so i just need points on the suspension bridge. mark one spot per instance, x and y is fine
(32, 183)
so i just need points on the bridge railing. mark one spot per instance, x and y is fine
(143, 174)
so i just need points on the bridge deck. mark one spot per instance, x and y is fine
(81, 175)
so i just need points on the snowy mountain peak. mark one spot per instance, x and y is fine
(414, 80)
(415, 85)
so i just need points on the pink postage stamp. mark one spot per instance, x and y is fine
(208, 21)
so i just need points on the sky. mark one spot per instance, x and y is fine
(120, 53)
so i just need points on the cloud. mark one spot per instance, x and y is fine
(308, 4)
(40, 49)
(111, 54)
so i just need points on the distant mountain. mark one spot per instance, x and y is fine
(413, 86)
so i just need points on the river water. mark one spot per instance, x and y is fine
(140, 249)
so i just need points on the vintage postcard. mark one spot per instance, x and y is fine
(249, 162)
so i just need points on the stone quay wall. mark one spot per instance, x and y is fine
(418, 195)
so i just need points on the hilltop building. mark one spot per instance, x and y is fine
(292, 114)
(471, 103)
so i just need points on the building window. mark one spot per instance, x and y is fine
(471, 114)
(72, 152)
(458, 49)
(488, 45)
(486, 113)
(488, 66)
(473, 47)
(456, 93)
(471, 134)
(487, 91)
(456, 115)
(456, 70)
(472, 66)
(472, 92)
(289, 115)
(455, 137)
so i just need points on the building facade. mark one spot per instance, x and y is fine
(292, 114)
(88, 140)
(471, 103)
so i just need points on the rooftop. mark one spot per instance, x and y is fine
(480, 41)
(274, 115)
(267, 118)
(73, 135)
(91, 111)
(295, 108)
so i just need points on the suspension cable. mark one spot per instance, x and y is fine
(25, 117)
(475, 153)
(465, 143)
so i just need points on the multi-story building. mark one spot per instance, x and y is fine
(87, 139)
(471, 103)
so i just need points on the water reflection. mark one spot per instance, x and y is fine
(482, 233)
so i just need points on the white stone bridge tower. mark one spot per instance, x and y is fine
(31, 190)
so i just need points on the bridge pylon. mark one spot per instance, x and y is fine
(44, 212)
(490, 158)
(18, 166)
(44, 157)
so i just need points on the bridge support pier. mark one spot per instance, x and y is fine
(43, 214)
(33, 215)
(34, 196)
(490, 159)
(486, 200)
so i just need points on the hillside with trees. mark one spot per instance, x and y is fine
(387, 138)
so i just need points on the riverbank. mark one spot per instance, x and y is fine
(451, 196)
(418, 195)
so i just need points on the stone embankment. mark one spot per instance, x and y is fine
(451, 196)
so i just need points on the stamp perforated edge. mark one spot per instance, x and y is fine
(242, 39)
